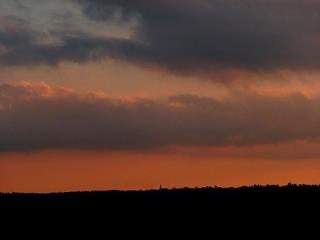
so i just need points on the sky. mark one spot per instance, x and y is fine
(114, 94)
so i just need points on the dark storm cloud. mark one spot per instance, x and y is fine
(187, 36)
(38, 116)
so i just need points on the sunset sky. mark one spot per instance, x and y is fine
(115, 94)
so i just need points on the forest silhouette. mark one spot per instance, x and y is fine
(201, 198)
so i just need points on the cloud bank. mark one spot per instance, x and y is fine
(184, 37)
(39, 116)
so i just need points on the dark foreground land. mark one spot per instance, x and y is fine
(208, 208)
(210, 198)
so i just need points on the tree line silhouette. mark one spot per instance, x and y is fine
(289, 194)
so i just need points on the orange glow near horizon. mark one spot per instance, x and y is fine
(55, 171)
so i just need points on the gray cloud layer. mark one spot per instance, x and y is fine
(187, 36)
(35, 117)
